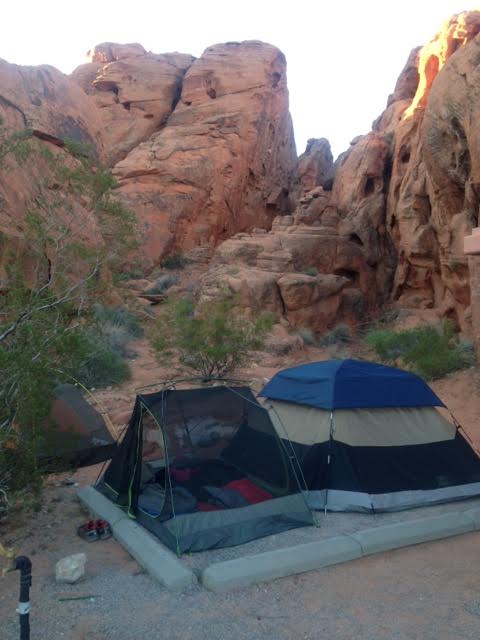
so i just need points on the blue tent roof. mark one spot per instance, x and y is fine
(350, 384)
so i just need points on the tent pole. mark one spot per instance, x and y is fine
(329, 460)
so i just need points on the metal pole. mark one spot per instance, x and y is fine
(24, 565)
(329, 461)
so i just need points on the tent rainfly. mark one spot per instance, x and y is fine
(368, 437)
(204, 468)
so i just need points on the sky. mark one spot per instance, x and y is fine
(343, 56)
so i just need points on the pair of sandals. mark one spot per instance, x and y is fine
(95, 530)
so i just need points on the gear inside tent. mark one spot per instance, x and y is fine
(204, 468)
(368, 437)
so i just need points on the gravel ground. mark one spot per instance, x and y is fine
(428, 592)
(330, 525)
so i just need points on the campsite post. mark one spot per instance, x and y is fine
(24, 565)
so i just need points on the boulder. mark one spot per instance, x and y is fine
(71, 568)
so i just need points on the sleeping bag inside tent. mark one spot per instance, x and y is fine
(204, 468)
(370, 437)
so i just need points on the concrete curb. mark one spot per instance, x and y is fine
(404, 534)
(474, 514)
(280, 563)
(99, 506)
(165, 567)
(158, 561)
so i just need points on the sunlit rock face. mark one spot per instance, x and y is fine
(432, 195)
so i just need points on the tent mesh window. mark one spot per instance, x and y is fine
(201, 441)
(192, 455)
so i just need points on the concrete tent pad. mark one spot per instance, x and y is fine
(474, 514)
(242, 571)
(279, 563)
(158, 561)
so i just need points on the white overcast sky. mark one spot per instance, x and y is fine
(343, 56)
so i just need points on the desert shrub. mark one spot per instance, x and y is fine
(212, 338)
(162, 283)
(174, 261)
(118, 338)
(310, 271)
(431, 352)
(117, 317)
(307, 335)
(131, 274)
(101, 363)
(341, 334)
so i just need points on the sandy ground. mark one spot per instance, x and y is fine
(425, 592)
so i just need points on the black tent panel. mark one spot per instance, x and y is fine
(205, 468)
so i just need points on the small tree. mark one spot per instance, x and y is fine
(212, 338)
(45, 305)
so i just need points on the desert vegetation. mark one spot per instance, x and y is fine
(431, 352)
(211, 338)
(50, 329)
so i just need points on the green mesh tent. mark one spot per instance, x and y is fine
(204, 468)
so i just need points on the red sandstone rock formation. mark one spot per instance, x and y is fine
(314, 168)
(135, 92)
(223, 162)
(54, 108)
(403, 198)
(203, 150)
(198, 156)
(432, 198)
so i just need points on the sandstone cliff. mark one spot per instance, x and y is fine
(201, 148)
(204, 154)
(223, 161)
(391, 227)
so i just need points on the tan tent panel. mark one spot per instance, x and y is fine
(299, 423)
(360, 427)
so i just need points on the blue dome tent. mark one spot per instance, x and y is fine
(368, 437)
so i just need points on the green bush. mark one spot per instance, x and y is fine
(117, 317)
(174, 261)
(212, 338)
(162, 283)
(102, 364)
(341, 334)
(310, 271)
(428, 351)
